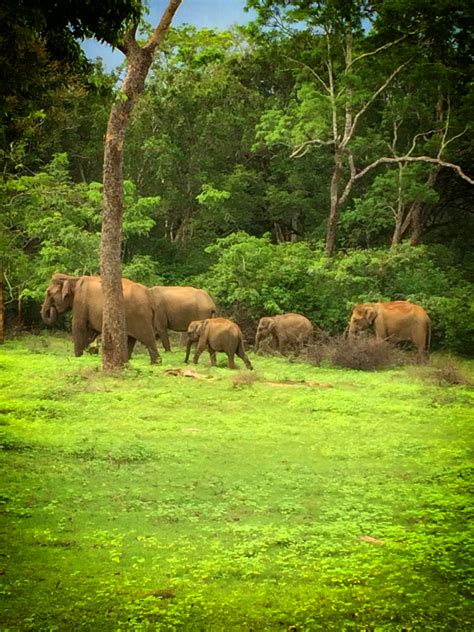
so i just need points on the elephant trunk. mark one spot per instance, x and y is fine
(352, 330)
(49, 313)
(258, 339)
(188, 349)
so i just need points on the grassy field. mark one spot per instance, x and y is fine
(303, 498)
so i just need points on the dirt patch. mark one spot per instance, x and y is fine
(296, 383)
(188, 373)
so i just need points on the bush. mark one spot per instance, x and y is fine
(364, 353)
(449, 373)
(253, 275)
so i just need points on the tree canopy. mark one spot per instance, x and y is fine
(359, 114)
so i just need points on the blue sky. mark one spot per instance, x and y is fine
(219, 14)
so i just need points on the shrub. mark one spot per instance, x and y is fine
(449, 373)
(364, 353)
(253, 275)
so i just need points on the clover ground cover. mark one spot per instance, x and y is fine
(306, 498)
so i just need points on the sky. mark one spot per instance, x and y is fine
(219, 14)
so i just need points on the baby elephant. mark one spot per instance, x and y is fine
(217, 334)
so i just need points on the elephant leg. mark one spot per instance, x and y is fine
(212, 354)
(81, 336)
(130, 345)
(241, 353)
(147, 337)
(201, 345)
(165, 341)
(230, 360)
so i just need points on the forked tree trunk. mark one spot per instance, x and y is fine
(114, 335)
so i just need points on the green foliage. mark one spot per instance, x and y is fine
(152, 501)
(265, 278)
(51, 224)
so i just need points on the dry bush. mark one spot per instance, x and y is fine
(447, 372)
(365, 353)
(244, 379)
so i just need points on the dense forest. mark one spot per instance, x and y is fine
(318, 156)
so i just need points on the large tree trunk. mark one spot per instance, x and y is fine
(331, 230)
(114, 337)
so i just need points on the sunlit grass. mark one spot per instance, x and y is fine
(155, 501)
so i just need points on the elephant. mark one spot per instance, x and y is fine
(217, 334)
(181, 305)
(396, 321)
(83, 294)
(285, 330)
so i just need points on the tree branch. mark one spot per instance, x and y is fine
(311, 70)
(163, 26)
(429, 159)
(373, 97)
(300, 150)
(378, 50)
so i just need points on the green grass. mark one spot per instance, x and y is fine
(159, 502)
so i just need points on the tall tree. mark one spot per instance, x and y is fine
(40, 53)
(342, 76)
(139, 59)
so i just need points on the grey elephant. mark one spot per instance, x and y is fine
(217, 334)
(83, 295)
(284, 331)
(394, 320)
(181, 305)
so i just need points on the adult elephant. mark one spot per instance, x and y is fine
(83, 295)
(396, 321)
(182, 305)
(284, 330)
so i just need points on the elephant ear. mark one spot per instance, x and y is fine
(66, 289)
(271, 325)
(370, 314)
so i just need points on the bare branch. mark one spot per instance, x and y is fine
(312, 71)
(163, 26)
(300, 150)
(372, 99)
(429, 159)
(378, 50)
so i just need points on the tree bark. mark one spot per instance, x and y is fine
(331, 230)
(114, 335)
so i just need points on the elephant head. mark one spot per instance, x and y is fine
(59, 297)
(195, 328)
(363, 316)
(265, 328)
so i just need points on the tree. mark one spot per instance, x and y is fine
(139, 59)
(40, 53)
(342, 76)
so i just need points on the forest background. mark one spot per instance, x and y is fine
(314, 158)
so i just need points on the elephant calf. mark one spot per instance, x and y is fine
(285, 330)
(395, 320)
(217, 334)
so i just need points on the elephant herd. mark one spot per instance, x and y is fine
(150, 312)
